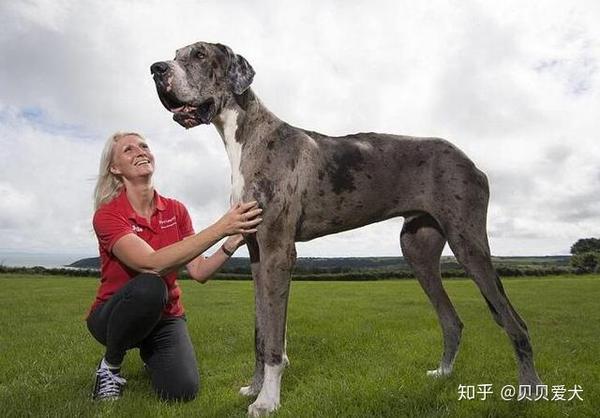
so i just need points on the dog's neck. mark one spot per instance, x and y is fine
(244, 118)
(237, 124)
(226, 123)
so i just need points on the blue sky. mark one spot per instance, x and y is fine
(515, 85)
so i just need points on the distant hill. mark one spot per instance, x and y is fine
(86, 263)
(383, 267)
(323, 265)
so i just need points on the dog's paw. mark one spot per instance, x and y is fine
(439, 372)
(249, 391)
(262, 408)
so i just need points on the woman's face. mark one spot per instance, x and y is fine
(132, 158)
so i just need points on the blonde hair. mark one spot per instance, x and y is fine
(108, 185)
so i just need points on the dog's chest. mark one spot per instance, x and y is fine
(234, 152)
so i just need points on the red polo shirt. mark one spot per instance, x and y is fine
(169, 223)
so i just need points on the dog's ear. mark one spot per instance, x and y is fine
(239, 72)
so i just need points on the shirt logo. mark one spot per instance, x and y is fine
(167, 223)
(136, 228)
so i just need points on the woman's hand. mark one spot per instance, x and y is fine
(242, 218)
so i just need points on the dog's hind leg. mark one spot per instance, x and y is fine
(422, 243)
(471, 249)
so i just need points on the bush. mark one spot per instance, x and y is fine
(586, 262)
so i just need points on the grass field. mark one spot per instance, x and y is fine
(357, 349)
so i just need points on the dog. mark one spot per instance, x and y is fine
(311, 185)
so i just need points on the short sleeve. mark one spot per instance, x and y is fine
(184, 222)
(109, 227)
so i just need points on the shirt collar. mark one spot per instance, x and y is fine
(159, 202)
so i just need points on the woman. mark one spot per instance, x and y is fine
(144, 238)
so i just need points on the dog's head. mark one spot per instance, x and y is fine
(199, 81)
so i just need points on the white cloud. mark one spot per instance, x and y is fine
(515, 85)
(17, 208)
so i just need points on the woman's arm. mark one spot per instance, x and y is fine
(140, 256)
(202, 268)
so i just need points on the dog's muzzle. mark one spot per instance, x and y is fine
(188, 114)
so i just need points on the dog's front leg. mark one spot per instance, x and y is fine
(272, 289)
(259, 367)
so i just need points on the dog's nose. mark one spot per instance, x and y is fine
(159, 68)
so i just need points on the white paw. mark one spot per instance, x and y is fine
(249, 391)
(262, 408)
(439, 372)
(268, 398)
(285, 360)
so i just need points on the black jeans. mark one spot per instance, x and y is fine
(132, 318)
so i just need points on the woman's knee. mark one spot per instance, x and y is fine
(183, 388)
(149, 290)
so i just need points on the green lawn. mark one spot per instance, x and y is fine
(357, 349)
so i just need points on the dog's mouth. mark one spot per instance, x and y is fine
(189, 115)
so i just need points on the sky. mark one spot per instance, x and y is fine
(515, 85)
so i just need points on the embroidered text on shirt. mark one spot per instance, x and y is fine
(167, 223)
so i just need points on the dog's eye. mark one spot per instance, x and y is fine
(200, 55)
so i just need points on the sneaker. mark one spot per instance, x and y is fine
(108, 386)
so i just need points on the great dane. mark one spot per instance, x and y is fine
(311, 185)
